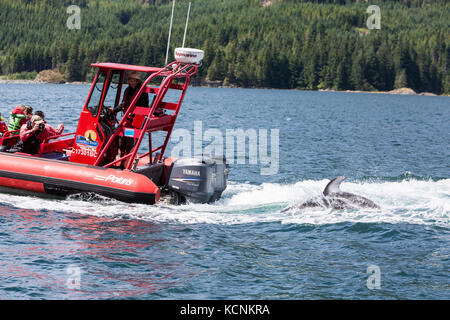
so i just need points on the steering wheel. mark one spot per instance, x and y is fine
(107, 113)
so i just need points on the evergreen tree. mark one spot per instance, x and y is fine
(289, 44)
(73, 64)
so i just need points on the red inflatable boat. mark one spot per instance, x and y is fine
(88, 161)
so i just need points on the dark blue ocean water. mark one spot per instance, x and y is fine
(393, 149)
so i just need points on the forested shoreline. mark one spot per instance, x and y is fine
(248, 43)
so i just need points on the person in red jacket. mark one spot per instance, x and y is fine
(3, 126)
(32, 134)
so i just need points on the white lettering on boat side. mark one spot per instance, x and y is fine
(114, 179)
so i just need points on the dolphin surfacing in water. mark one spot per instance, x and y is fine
(333, 197)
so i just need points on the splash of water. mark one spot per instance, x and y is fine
(406, 201)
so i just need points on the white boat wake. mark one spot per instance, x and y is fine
(407, 201)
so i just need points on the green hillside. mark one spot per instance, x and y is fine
(251, 43)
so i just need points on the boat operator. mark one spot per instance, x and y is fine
(134, 85)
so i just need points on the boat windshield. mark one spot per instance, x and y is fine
(112, 94)
(111, 98)
(96, 96)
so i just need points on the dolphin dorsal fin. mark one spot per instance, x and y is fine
(333, 185)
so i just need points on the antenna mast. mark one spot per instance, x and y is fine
(170, 31)
(187, 19)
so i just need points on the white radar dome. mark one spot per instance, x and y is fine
(189, 55)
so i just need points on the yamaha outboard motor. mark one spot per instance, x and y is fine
(198, 180)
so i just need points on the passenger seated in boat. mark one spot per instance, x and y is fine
(34, 132)
(40, 114)
(3, 126)
(59, 129)
(19, 117)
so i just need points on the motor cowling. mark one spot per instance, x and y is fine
(198, 180)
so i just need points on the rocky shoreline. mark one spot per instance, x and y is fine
(401, 91)
(52, 76)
